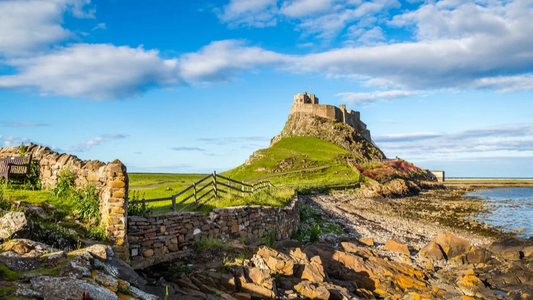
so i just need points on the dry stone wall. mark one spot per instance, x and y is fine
(110, 181)
(158, 238)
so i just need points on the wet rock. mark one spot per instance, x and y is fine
(15, 225)
(395, 246)
(452, 245)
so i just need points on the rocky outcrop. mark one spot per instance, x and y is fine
(342, 135)
(15, 225)
(89, 273)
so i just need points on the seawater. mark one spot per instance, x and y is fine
(511, 208)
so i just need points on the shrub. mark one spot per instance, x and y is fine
(98, 233)
(137, 208)
(85, 200)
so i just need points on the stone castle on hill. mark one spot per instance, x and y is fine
(309, 104)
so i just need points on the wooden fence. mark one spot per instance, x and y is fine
(203, 191)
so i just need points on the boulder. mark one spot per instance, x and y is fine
(55, 288)
(312, 291)
(452, 245)
(276, 261)
(23, 254)
(396, 246)
(513, 248)
(473, 256)
(472, 286)
(432, 252)
(15, 225)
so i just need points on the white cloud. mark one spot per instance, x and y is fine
(10, 141)
(91, 143)
(506, 83)
(219, 61)
(93, 71)
(98, 26)
(252, 13)
(371, 97)
(305, 8)
(29, 25)
(507, 140)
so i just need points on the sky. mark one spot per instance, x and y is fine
(197, 86)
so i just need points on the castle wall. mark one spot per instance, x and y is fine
(321, 110)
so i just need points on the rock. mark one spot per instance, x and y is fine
(474, 256)
(276, 261)
(37, 211)
(432, 252)
(23, 254)
(258, 276)
(56, 288)
(311, 291)
(148, 253)
(126, 272)
(79, 266)
(257, 291)
(452, 245)
(352, 248)
(472, 286)
(99, 251)
(367, 241)
(143, 295)
(15, 225)
(513, 248)
(396, 246)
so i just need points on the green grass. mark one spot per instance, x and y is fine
(267, 197)
(144, 179)
(305, 162)
(7, 274)
(303, 153)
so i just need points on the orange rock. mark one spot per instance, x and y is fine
(396, 246)
(452, 245)
(367, 241)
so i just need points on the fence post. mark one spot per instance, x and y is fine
(215, 184)
(144, 204)
(242, 188)
(229, 187)
(195, 198)
(174, 203)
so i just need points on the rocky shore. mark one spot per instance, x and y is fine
(348, 247)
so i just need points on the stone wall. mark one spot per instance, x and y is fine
(110, 181)
(439, 175)
(158, 238)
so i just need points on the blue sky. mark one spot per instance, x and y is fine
(196, 86)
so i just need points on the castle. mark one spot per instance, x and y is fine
(309, 104)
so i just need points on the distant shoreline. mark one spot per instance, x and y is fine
(488, 182)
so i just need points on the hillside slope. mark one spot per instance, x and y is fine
(342, 135)
(299, 160)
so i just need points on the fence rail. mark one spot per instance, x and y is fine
(198, 192)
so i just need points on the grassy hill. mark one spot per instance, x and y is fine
(299, 161)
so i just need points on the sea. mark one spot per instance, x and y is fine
(510, 207)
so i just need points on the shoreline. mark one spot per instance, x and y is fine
(490, 183)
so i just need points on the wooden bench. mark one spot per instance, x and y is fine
(14, 167)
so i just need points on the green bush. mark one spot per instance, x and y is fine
(98, 233)
(84, 200)
(136, 208)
